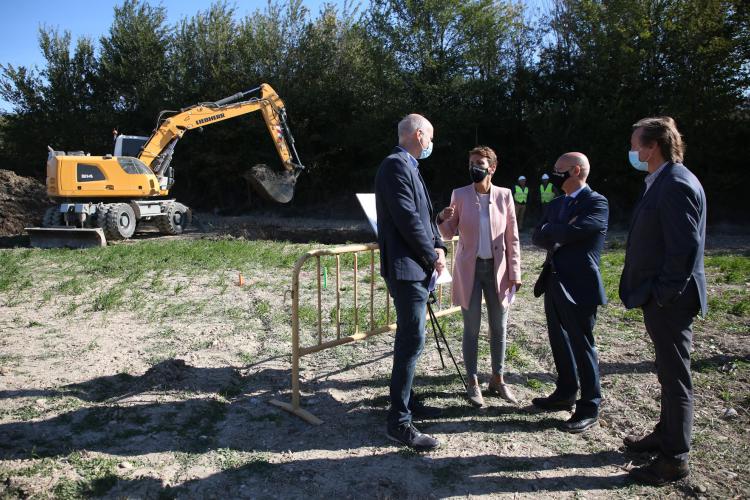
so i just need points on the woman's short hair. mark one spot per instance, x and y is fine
(486, 152)
(663, 131)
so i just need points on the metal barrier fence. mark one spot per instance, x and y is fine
(324, 338)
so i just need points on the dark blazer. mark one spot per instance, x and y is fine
(407, 233)
(666, 241)
(576, 260)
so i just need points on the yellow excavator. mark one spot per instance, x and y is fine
(100, 198)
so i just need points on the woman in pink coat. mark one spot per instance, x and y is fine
(488, 260)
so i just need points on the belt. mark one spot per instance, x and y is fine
(485, 260)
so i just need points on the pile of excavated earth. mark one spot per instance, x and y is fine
(23, 201)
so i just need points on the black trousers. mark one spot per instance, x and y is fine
(571, 336)
(670, 329)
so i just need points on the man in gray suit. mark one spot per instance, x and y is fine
(664, 276)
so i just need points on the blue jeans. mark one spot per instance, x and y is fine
(484, 281)
(410, 301)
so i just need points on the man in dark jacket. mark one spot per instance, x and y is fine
(572, 231)
(664, 276)
(410, 250)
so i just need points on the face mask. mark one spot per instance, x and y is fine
(558, 178)
(478, 173)
(426, 151)
(636, 162)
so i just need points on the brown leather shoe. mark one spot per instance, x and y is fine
(660, 472)
(644, 444)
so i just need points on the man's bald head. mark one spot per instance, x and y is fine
(414, 133)
(568, 161)
(411, 123)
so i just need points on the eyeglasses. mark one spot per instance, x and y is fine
(570, 167)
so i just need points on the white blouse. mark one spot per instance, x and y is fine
(485, 246)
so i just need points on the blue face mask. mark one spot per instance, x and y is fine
(426, 151)
(636, 162)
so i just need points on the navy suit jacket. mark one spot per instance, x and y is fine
(407, 234)
(666, 241)
(576, 260)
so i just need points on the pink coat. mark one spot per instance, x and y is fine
(506, 249)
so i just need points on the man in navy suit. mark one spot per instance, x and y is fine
(572, 231)
(664, 276)
(410, 250)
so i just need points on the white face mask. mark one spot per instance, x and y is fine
(636, 162)
(425, 151)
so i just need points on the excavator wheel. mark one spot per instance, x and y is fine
(177, 218)
(120, 224)
(52, 217)
(278, 187)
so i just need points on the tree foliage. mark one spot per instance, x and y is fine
(483, 71)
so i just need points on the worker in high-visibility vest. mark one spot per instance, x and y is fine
(547, 192)
(520, 198)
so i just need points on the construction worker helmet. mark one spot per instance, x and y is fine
(521, 178)
(545, 177)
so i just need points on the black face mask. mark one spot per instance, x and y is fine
(478, 174)
(558, 179)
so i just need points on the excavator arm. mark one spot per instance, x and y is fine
(172, 125)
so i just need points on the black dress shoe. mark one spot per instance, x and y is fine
(552, 403)
(646, 444)
(660, 472)
(577, 425)
(409, 435)
(421, 411)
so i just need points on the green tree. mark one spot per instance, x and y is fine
(134, 66)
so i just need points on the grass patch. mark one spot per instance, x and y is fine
(246, 358)
(109, 300)
(73, 286)
(610, 267)
(15, 266)
(43, 467)
(97, 477)
(729, 268)
(732, 302)
(24, 413)
(513, 355)
(534, 383)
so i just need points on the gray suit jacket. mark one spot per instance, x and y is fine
(666, 241)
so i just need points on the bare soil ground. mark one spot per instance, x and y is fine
(144, 370)
(23, 201)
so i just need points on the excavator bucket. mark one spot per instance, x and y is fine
(272, 185)
(66, 237)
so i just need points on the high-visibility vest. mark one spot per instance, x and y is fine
(521, 194)
(547, 194)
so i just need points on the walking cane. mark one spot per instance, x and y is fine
(436, 328)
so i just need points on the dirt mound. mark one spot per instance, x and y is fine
(23, 201)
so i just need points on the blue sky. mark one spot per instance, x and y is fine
(21, 20)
